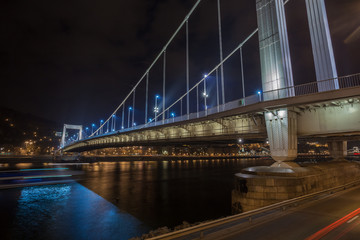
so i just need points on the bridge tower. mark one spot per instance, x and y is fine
(68, 126)
(277, 79)
(322, 49)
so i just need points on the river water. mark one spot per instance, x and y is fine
(120, 200)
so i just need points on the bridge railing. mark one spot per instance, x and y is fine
(314, 87)
(303, 89)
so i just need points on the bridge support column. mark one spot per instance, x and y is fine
(281, 127)
(338, 149)
(276, 70)
(321, 45)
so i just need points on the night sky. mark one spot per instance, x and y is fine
(73, 61)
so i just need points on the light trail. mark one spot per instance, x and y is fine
(321, 233)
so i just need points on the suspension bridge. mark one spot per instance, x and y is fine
(282, 111)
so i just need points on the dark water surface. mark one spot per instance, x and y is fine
(119, 200)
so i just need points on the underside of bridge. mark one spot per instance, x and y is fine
(331, 121)
(222, 130)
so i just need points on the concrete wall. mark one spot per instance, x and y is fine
(256, 188)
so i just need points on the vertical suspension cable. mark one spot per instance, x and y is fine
(197, 100)
(112, 122)
(146, 97)
(242, 76)
(205, 96)
(221, 54)
(187, 69)
(133, 108)
(122, 117)
(181, 107)
(217, 90)
(164, 77)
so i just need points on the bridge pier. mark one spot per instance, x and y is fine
(338, 149)
(281, 127)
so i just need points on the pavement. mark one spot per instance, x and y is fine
(334, 217)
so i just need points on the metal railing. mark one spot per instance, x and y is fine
(314, 87)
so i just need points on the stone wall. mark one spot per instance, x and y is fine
(261, 186)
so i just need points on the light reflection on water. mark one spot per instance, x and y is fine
(166, 193)
(119, 200)
(68, 211)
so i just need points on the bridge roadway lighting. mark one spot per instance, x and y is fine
(113, 121)
(156, 109)
(130, 108)
(92, 128)
(173, 116)
(205, 93)
(259, 93)
(101, 122)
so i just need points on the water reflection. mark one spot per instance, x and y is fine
(165, 193)
(119, 200)
(67, 211)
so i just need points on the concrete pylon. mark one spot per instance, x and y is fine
(281, 127)
(276, 70)
(277, 80)
(338, 149)
(322, 49)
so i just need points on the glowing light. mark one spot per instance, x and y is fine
(205, 75)
(43, 169)
(130, 108)
(157, 96)
(49, 176)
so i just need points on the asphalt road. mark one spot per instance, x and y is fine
(334, 217)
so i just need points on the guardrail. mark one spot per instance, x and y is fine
(314, 87)
(200, 230)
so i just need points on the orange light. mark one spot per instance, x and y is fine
(332, 226)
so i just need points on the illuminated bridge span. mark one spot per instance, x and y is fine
(281, 112)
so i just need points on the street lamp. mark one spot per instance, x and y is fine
(92, 128)
(173, 116)
(86, 131)
(113, 122)
(259, 93)
(101, 122)
(156, 109)
(205, 93)
(130, 108)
